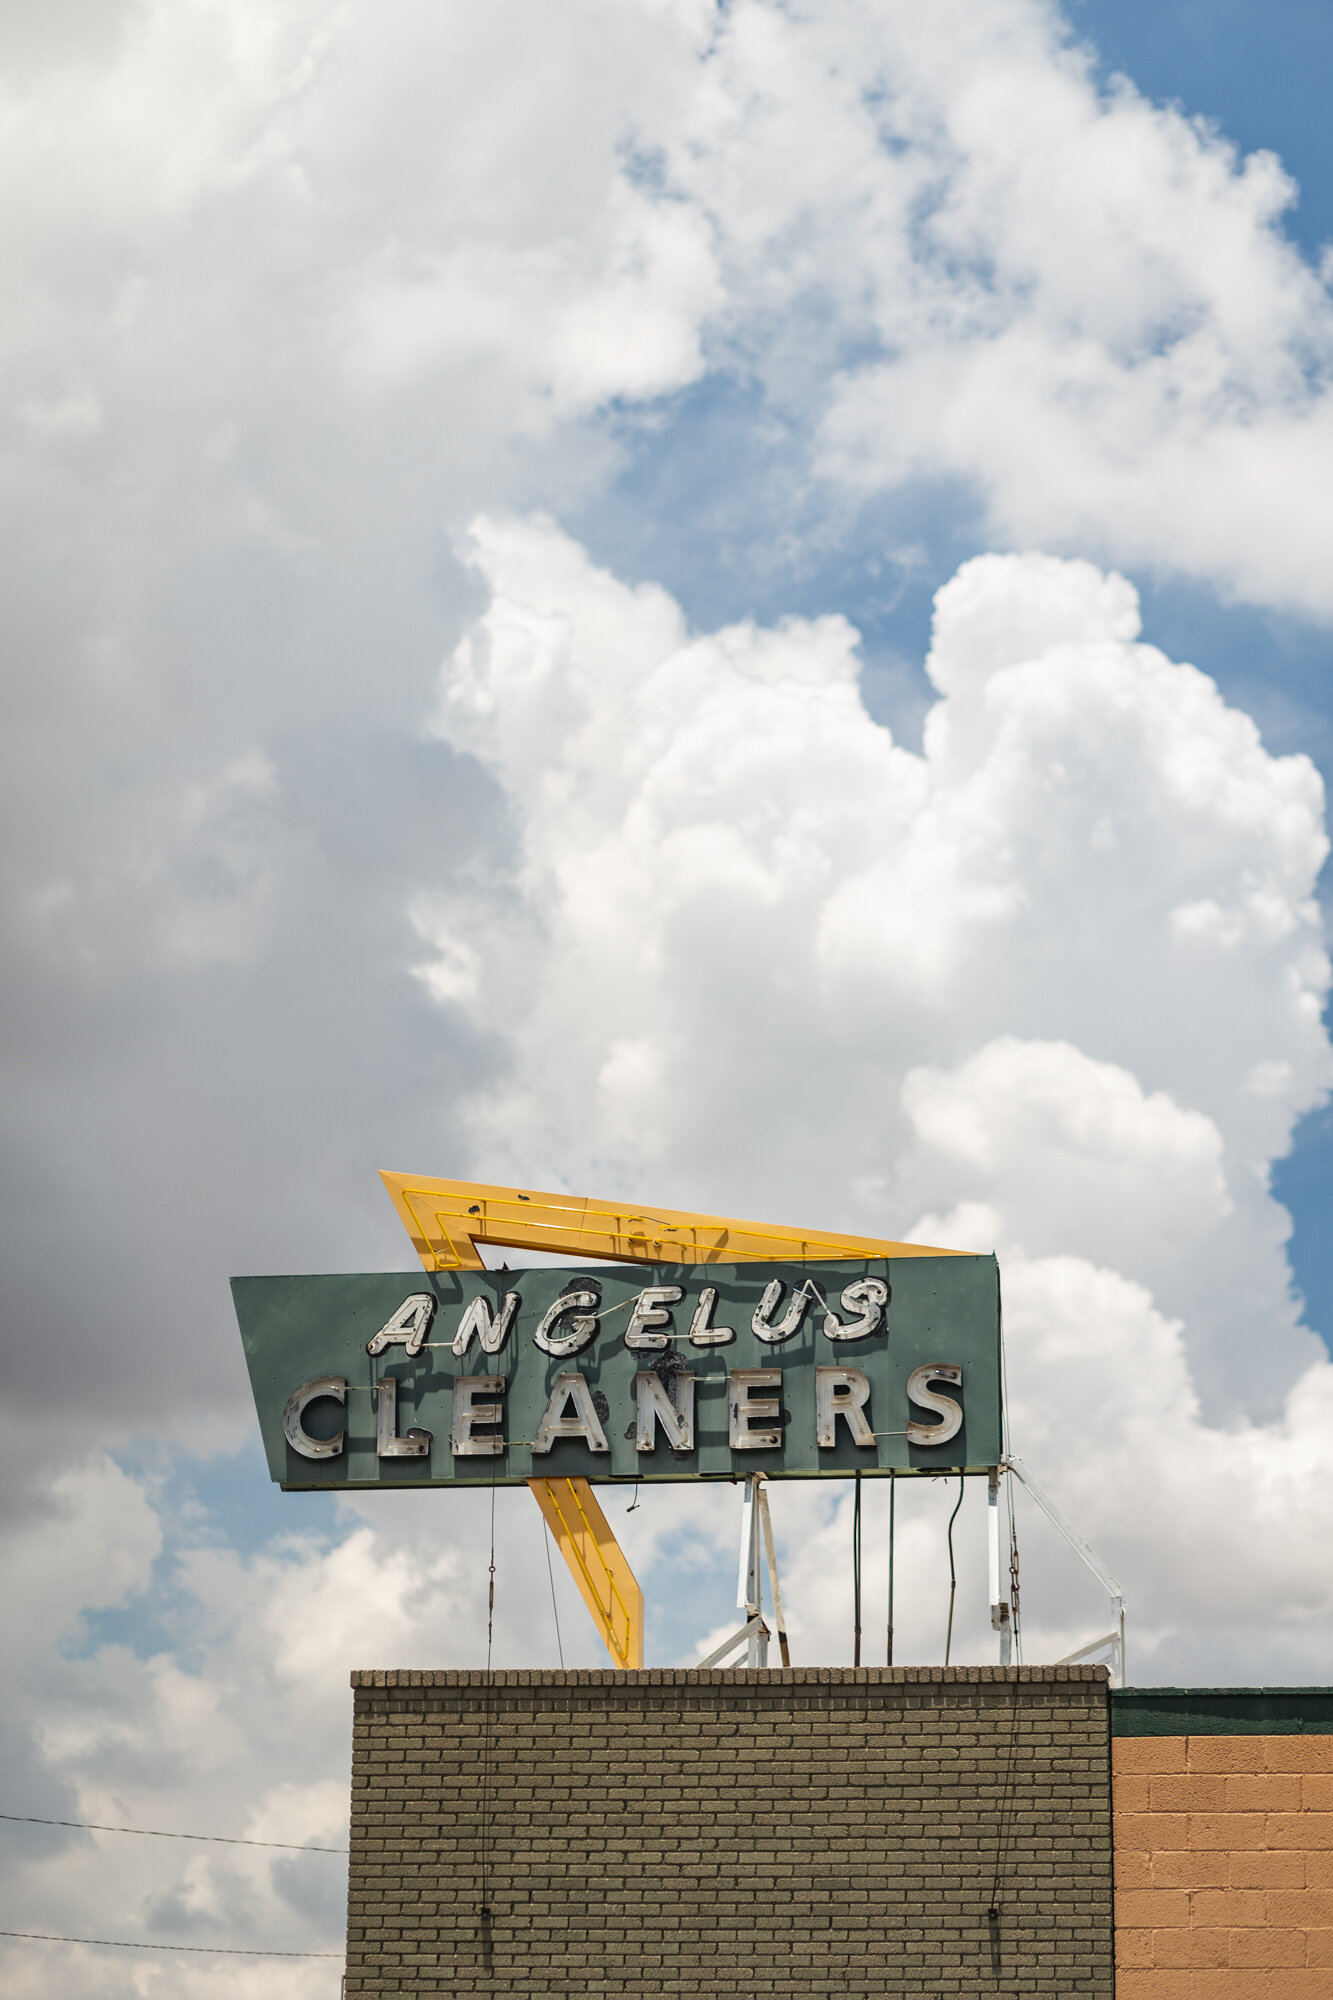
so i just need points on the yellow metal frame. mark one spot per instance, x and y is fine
(597, 1564)
(449, 1220)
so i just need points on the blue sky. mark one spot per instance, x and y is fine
(1257, 71)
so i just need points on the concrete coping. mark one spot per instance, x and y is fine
(426, 1677)
(1235, 1711)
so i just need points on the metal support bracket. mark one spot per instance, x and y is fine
(749, 1582)
(1111, 1643)
(754, 1636)
(1115, 1640)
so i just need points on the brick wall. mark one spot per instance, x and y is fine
(1224, 1847)
(805, 1832)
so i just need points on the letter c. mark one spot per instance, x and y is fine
(294, 1430)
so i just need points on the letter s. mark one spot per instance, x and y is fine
(920, 1392)
(867, 1298)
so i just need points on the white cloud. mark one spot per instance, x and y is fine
(774, 960)
(1078, 301)
(1088, 1149)
(714, 835)
(220, 1704)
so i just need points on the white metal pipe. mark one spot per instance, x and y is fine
(774, 1587)
(993, 1522)
(1067, 1529)
(744, 1637)
(746, 1577)
(1000, 1618)
(749, 1581)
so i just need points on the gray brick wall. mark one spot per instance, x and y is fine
(806, 1832)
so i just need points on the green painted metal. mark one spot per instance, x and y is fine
(940, 1310)
(1261, 1711)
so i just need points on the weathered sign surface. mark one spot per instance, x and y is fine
(642, 1372)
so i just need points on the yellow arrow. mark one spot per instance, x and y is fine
(449, 1220)
(597, 1564)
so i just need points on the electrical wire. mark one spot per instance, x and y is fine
(953, 1574)
(889, 1661)
(1015, 1613)
(1007, 1799)
(485, 1911)
(1006, 1807)
(856, 1575)
(157, 1833)
(132, 1944)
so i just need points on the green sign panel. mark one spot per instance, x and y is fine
(642, 1372)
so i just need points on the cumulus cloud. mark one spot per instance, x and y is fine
(715, 839)
(176, 1681)
(292, 290)
(1077, 301)
(768, 951)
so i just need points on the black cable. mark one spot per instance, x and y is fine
(1015, 1613)
(856, 1575)
(132, 1944)
(953, 1575)
(890, 1646)
(486, 1729)
(156, 1833)
(1006, 1806)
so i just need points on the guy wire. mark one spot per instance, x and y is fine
(555, 1608)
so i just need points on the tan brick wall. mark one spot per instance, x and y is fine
(816, 1832)
(1224, 1867)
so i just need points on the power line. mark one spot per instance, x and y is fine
(156, 1833)
(132, 1944)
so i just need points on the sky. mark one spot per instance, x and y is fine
(721, 605)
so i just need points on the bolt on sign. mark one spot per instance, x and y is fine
(684, 1367)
